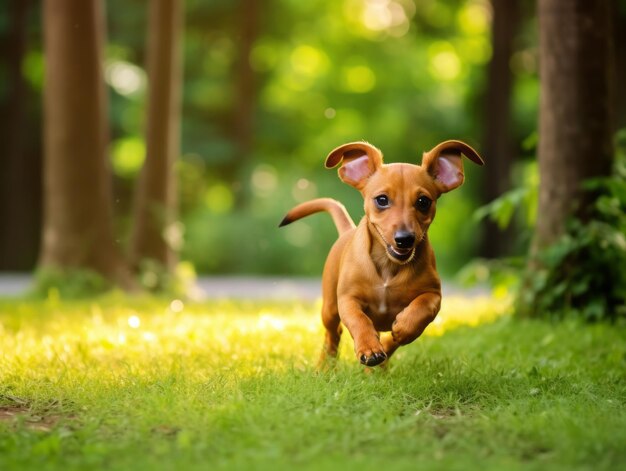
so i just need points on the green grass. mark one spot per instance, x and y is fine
(120, 383)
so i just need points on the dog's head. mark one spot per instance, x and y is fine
(400, 198)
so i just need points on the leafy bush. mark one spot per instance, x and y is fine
(55, 283)
(155, 278)
(52, 283)
(517, 206)
(584, 273)
(521, 200)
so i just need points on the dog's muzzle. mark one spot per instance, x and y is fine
(404, 250)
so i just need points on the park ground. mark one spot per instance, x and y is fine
(122, 382)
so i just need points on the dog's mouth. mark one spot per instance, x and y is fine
(401, 255)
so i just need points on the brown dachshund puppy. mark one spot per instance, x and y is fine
(380, 276)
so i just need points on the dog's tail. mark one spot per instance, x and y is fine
(338, 212)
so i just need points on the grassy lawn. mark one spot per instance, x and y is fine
(121, 383)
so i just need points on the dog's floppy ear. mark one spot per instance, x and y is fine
(445, 164)
(359, 160)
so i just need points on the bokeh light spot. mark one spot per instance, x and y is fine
(134, 322)
(125, 78)
(444, 62)
(128, 155)
(359, 79)
(219, 198)
(264, 180)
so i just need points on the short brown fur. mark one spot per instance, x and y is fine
(380, 276)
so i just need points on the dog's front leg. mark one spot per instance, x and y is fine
(367, 344)
(412, 320)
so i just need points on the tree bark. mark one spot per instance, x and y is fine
(78, 228)
(20, 162)
(243, 118)
(154, 235)
(498, 148)
(619, 61)
(575, 131)
(245, 76)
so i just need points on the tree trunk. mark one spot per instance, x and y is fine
(619, 61)
(78, 229)
(246, 92)
(155, 235)
(498, 148)
(575, 132)
(20, 163)
(245, 76)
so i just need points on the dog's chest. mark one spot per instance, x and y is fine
(386, 300)
(384, 290)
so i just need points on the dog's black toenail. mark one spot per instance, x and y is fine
(375, 359)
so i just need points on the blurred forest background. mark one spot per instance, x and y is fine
(268, 88)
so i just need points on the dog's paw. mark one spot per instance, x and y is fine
(369, 351)
(374, 359)
(404, 332)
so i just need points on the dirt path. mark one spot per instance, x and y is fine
(237, 287)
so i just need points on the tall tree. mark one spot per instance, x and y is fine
(155, 203)
(575, 130)
(20, 159)
(619, 34)
(78, 229)
(248, 15)
(245, 75)
(498, 147)
(575, 144)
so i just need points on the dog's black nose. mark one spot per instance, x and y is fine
(404, 239)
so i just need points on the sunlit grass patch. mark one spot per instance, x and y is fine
(145, 383)
(117, 334)
(459, 310)
(241, 334)
(71, 352)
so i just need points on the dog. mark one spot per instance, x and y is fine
(381, 276)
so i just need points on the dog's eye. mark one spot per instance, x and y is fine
(423, 203)
(382, 201)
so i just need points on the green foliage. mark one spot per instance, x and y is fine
(127, 156)
(520, 200)
(502, 275)
(400, 74)
(53, 283)
(147, 383)
(517, 206)
(584, 273)
(154, 277)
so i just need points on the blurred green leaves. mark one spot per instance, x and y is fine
(33, 69)
(127, 156)
(521, 199)
(401, 74)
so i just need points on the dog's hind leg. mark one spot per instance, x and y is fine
(332, 335)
